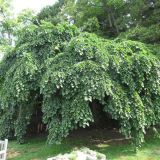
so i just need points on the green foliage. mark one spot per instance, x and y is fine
(51, 13)
(7, 22)
(149, 34)
(69, 69)
(83, 11)
(114, 16)
(22, 69)
(24, 18)
(6, 123)
(92, 25)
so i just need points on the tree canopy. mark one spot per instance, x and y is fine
(64, 68)
(112, 16)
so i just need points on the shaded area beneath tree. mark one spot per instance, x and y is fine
(102, 119)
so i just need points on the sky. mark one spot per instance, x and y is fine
(36, 5)
(1, 56)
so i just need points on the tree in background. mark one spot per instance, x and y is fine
(6, 22)
(145, 21)
(11, 24)
(113, 17)
(81, 11)
(51, 13)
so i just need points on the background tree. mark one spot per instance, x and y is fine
(113, 17)
(51, 13)
(6, 22)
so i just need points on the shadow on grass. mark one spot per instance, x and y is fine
(110, 143)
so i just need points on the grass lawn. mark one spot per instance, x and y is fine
(110, 143)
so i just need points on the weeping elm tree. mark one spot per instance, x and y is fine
(66, 69)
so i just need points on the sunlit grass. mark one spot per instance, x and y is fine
(114, 149)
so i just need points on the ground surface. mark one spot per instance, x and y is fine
(104, 141)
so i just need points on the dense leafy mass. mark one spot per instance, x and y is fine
(64, 70)
(21, 72)
(111, 16)
(148, 35)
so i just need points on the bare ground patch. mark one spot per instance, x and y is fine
(12, 153)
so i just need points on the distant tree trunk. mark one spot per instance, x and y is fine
(115, 23)
(107, 10)
(111, 18)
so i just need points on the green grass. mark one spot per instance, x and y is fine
(114, 149)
